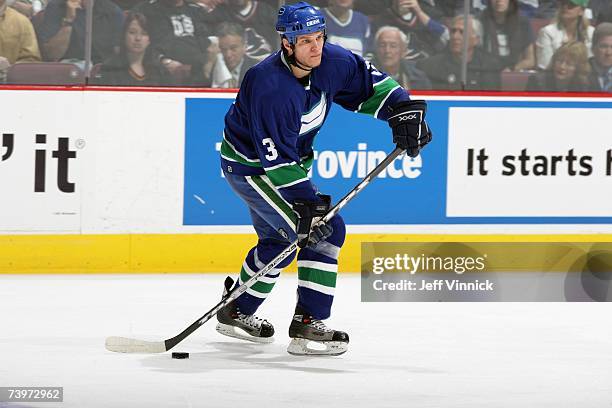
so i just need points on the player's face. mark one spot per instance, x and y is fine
(603, 52)
(309, 49)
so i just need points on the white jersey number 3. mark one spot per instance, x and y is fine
(272, 153)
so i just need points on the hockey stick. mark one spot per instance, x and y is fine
(127, 345)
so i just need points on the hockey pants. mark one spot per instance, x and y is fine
(274, 221)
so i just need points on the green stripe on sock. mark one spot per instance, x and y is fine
(324, 278)
(381, 91)
(243, 275)
(260, 287)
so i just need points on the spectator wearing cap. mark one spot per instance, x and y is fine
(346, 27)
(444, 70)
(568, 72)
(17, 39)
(570, 25)
(390, 45)
(601, 62)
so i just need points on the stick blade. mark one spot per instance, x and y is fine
(127, 345)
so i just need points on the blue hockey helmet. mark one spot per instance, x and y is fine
(299, 19)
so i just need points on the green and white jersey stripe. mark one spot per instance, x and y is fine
(229, 152)
(382, 91)
(267, 191)
(286, 174)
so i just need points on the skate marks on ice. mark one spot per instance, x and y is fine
(230, 355)
(234, 355)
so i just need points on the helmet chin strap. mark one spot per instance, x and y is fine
(291, 60)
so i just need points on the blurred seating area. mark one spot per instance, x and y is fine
(512, 45)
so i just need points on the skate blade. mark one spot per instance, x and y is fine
(238, 333)
(304, 347)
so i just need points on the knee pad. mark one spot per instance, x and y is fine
(337, 237)
(268, 249)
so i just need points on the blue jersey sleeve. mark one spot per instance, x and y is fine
(365, 89)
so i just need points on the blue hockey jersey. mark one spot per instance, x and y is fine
(270, 128)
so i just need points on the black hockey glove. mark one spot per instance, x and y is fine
(307, 211)
(410, 131)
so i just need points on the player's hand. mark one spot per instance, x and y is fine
(310, 229)
(410, 131)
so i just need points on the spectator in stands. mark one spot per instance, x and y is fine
(179, 32)
(508, 35)
(605, 14)
(391, 45)
(601, 62)
(418, 19)
(596, 8)
(444, 70)
(127, 5)
(346, 27)
(258, 19)
(61, 33)
(451, 8)
(546, 10)
(17, 39)
(570, 25)
(29, 7)
(568, 72)
(232, 62)
(367, 7)
(209, 5)
(135, 64)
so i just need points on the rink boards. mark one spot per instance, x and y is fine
(129, 181)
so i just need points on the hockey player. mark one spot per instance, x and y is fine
(266, 154)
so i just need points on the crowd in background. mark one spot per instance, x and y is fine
(534, 45)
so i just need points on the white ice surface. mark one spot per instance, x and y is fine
(52, 331)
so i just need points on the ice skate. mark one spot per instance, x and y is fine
(235, 324)
(313, 338)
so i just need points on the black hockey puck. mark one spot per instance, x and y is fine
(180, 355)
